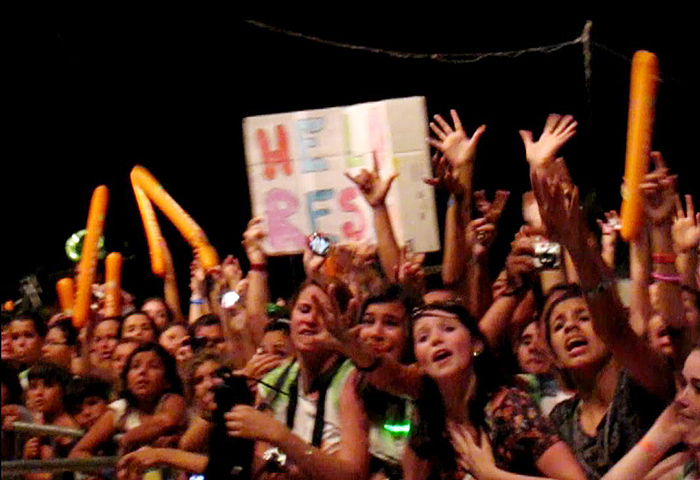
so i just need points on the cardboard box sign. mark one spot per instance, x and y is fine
(296, 165)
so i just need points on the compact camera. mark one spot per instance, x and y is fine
(547, 255)
(320, 244)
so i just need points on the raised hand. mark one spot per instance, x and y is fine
(611, 226)
(557, 131)
(244, 421)
(491, 210)
(410, 269)
(457, 148)
(476, 459)
(231, 270)
(259, 364)
(312, 262)
(197, 278)
(659, 191)
(559, 208)
(445, 176)
(253, 240)
(480, 234)
(373, 188)
(686, 227)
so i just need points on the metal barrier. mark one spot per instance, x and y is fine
(18, 467)
(46, 430)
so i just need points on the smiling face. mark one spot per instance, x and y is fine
(531, 351)
(306, 327)
(688, 395)
(383, 327)
(443, 346)
(146, 376)
(572, 338)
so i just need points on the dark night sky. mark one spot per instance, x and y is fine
(91, 96)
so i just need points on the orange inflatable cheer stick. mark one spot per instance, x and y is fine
(154, 237)
(88, 257)
(8, 306)
(113, 284)
(189, 229)
(65, 288)
(643, 85)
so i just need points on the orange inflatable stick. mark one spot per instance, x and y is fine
(65, 288)
(8, 306)
(154, 237)
(113, 284)
(88, 257)
(191, 232)
(640, 122)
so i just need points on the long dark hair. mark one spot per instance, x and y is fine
(174, 384)
(429, 436)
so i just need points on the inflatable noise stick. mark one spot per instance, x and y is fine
(8, 306)
(191, 232)
(154, 237)
(640, 122)
(65, 288)
(88, 257)
(113, 287)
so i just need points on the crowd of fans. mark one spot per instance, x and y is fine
(377, 370)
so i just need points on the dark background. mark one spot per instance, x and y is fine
(90, 94)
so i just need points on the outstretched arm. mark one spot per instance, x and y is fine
(455, 171)
(258, 291)
(375, 189)
(560, 211)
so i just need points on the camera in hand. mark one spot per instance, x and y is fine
(547, 255)
(229, 457)
(319, 244)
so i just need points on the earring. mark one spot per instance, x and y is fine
(476, 353)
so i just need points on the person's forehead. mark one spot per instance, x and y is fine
(22, 324)
(107, 326)
(209, 330)
(569, 304)
(394, 307)
(434, 316)
(56, 332)
(137, 318)
(206, 367)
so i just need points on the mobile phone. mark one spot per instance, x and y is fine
(319, 244)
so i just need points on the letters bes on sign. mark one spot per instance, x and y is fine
(296, 166)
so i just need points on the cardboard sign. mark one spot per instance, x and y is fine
(296, 166)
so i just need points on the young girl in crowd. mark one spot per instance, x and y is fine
(45, 399)
(151, 406)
